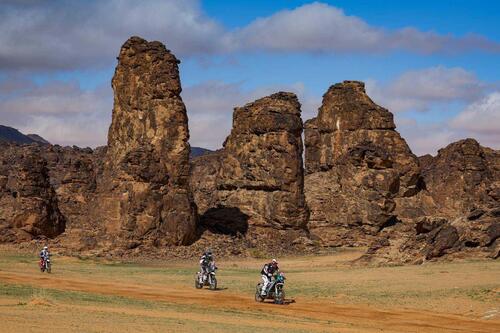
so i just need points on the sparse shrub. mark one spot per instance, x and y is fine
(257, 253)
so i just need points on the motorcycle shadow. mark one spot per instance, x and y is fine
(285, 302)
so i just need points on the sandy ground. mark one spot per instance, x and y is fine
(327, 295)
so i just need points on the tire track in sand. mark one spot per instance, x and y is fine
(356, 315)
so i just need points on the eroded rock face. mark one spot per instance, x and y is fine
(143, 191)
(205, 173)
(257, 178)
(73, 173)
(28, 202)
(357, 166)
(462, 182)
(464, 177)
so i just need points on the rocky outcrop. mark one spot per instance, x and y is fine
(357, 165)
(205, 174)
(73, 173)
(463, 183)
(143, 192)
(464, 178)
(256, 180)
(28, 203)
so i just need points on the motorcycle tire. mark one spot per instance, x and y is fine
(258, 296)
(49, 268)
(279, 298)
(213, 284)
(197, 283)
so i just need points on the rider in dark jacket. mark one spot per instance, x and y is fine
(205, 261)
(44, 254)
(267, 273)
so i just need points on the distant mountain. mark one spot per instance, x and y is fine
(38, 138)
(197, 151)
(10, 134)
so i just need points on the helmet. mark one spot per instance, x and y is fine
(208, 251)
(45, 247)
(274, 262)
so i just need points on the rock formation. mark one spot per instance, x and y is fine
(257, 177)
(463, 178)
(73, 173)
(363, 185)
(143, 192)
(463, 183)
(356, 165)
(28, 202)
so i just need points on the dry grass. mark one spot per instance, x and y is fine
(85, 295)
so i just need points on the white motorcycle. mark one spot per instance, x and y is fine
(45, 265)
(206, 278)
(275, 290)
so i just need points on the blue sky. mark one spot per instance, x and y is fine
(434, 64)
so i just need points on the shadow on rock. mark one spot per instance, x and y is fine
(225, 220)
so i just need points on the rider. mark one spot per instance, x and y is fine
(267, 274)
(45, 254)
(206, 260)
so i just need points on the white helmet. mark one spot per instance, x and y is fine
(45, 247)
(274, 261)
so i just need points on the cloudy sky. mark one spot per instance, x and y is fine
(434, 64)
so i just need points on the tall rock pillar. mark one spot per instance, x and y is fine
(144, 186)
(262, 172)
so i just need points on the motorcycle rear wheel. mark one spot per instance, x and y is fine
(258, 296)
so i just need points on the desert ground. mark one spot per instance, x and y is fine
(326, 293)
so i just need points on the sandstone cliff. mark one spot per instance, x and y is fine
(463, 183)
(143, 192)
(256, 180)
(28, 203)
(357, 165)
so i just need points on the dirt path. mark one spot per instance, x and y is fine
(365, 319)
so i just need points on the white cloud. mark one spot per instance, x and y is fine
(210, 107)
(61, 112)
(319, 27)
(52, 35)
(419, 90)
(65, 114)
(315, 27)
(481, 120)
(425, 138)
(49, 35)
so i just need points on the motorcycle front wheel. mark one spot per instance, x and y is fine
(49, 269)
(213, 283)
(279, 298)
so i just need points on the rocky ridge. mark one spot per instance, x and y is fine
(362, 185)
(463, 183)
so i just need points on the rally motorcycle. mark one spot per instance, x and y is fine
(206, 278)
(275, 290)
(45, 265)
